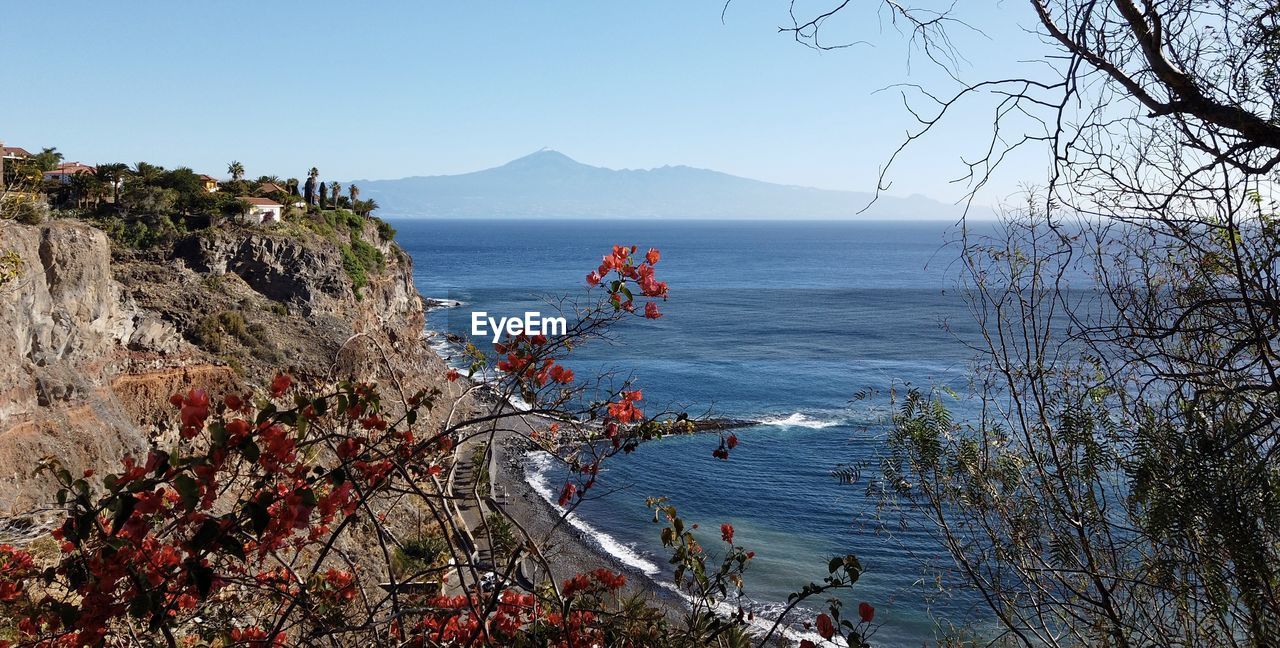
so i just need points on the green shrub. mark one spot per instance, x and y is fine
(214, 332)
(24, 208)
(502, 538)
(370, 257)
(138, 233)
(418, 555)
(355, 270)
(385, 231)
(233, 323)
(208, 334)
(361, 260)
(10, 266)
(214, 283)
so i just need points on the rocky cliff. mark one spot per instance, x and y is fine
(94, 340)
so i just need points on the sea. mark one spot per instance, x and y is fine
(808, 327)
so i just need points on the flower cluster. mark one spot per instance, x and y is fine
(727, 443)
(622, 263)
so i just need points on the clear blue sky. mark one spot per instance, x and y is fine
(392, 89)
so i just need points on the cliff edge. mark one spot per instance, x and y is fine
(96, 337)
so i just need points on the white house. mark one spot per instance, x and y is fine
(262, 210)
(66, 171)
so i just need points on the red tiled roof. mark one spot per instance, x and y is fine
(271, 187)
(14, 151)
(207, 178)
(71, 168)
(260, 202)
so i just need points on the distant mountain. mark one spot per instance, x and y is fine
(551, 184)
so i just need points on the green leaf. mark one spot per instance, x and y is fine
(202, 576)
(251, 451)
(207, 532)
(266, 413)
(188, 489)
(232, 546)
(125, 505)
(258, 516)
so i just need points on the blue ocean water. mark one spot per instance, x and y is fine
(782, 322)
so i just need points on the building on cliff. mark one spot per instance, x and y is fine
(261, 210)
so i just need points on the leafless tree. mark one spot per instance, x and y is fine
(1119, 485)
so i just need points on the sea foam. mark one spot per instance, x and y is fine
(798, 419)
(536, 467)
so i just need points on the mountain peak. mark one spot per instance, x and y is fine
(542, 157)
(548, 183)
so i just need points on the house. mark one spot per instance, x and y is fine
(66, 171)
(261, 210)
(209, 183)
(10, 154)
(14, 153)
(268, 188)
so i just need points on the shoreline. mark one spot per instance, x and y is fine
(568, 549)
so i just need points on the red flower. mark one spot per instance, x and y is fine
(570, 587)
(349, 448)
(567, 493)
(194, 410)
(651, 311)
(561, 374)
(280, 384)
(652, 256)
(609, 579)
(825, 627)
(866, 612)
(237, 430)
(726, 533)
(452, 375)
(593, 278)
(732, 441)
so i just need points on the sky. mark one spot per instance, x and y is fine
(395, 89)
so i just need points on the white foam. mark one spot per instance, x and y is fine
(439, 304)
(538, 464)
(536, 468)
(798, 419)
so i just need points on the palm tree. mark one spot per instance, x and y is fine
(84, 187)
(48, 159)
(273, 179)
(313, 173)
(147, 173)
(353, 192)
(113, 175)
(334, 190)
(236, 170)
(292, 185)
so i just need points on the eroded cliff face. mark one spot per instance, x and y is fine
(92, 345)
